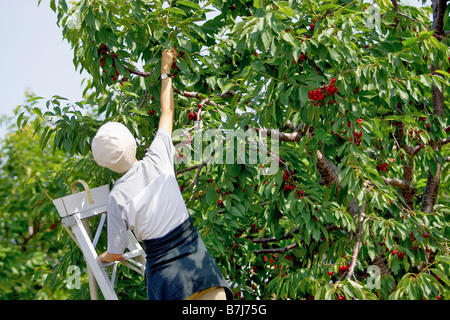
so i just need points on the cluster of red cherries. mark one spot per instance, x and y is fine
(319, 95)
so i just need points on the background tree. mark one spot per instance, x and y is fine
(359, 95)
(29, 228)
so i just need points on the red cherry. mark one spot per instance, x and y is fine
(330, 273)
(220, 202)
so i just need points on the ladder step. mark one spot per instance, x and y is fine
(132, 254)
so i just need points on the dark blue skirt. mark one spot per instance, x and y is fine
(179, 265)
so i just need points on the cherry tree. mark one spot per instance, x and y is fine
(354, 94)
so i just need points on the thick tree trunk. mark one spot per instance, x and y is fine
(327, 170)
(408, 190)
(439, 7)
(431, 190)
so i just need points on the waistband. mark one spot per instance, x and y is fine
(179, 233)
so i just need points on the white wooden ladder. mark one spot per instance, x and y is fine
(75, 211)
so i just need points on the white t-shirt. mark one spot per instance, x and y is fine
(147, 199)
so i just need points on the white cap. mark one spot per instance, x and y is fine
(114, 147)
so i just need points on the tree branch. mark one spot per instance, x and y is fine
(327, 170)
(280, 136)
(188, 94)
(295, 136)
(138, 73)
(362, 216)
(273, 239)
(143, 99)
(447, 129)
(277, 250)
(395, 183)
(329, 228)
(207, 100)
(395, 4)
(198, 167)
(141, 104)
(439, 7)
(188, 169)
(438, 100)
(431, 189)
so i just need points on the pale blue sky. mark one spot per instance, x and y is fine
(33, 55)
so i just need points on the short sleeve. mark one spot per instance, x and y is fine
(117, 228)
(161, 150)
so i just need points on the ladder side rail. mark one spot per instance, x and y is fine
(93, 287)
(99, 230)
(92, 259)
(139, 269)
(114, 273)
(133, 246)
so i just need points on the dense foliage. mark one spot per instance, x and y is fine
(358, 95)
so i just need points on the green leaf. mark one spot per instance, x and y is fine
(176, 11)
(441, 275)
(426, 34)
(199, 31)
(321, 134)
(409, 42)
(258, 4)
(266, 39)
(303, 94)
(445, 259)
(19, 120)
(90, 18)
(35, 98)
(188, 4)
(236, 212)
(411, 291)
(443, 72)
(348, 290)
